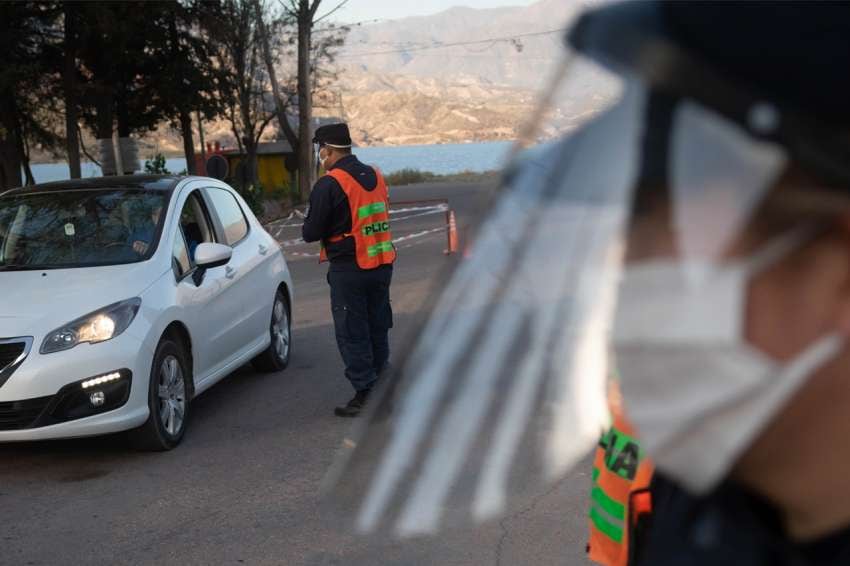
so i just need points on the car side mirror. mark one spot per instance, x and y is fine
(208, 256)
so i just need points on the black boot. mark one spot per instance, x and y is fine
(353, 408)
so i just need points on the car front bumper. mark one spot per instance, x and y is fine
(42, 399)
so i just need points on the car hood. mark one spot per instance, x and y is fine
(32, 303)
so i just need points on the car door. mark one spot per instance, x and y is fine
(233, 229)
(211, 307)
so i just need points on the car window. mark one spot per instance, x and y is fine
(195, 225)
(230, 213)
(78, 228)
(182, 265)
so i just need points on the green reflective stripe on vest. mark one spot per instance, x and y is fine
(378, 248)
(596, 473)
(371, 209)
(606, 526)
(611, 506)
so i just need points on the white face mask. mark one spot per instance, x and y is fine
(695, 390)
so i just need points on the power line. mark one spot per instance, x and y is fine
(339, 26)
(454, 44)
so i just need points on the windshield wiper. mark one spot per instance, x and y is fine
(19, 267)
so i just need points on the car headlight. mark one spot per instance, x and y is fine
(98, 326)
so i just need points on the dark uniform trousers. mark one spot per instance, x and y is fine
(360, 301)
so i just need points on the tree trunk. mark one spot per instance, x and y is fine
(10, 156)
(305, 102)
(104, 120)
(29, 178)
(249, 127)
(251, 164)
(188, 141)
(122, 112)
(280, 106)
(69, 75)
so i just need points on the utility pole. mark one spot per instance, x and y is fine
(306, 13)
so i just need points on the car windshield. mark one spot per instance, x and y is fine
(78, 228)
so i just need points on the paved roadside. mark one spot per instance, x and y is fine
(243, 488)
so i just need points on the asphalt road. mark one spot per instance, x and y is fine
(243, 488)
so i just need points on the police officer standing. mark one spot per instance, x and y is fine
(349, 215)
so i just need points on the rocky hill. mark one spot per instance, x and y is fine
(408, 81)
(513, 46)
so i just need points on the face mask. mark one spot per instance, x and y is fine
(696, 392)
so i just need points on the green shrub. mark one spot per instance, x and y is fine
(409, 177)
(253, 195)
(156, 165)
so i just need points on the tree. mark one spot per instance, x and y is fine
(26, 32)
(120, 61)
(232, 28)
(189, 78)
(69, 87)
(310, 60)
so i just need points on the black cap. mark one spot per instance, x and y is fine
(335, 135)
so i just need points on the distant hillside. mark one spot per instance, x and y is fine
(399, 86)
(520, 64)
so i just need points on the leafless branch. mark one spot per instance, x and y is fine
(263, 125)
(290, 7)
(83, 148)
(338, 6)
(313, 7)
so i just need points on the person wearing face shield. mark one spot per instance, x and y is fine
(349, 215)
(733, 310)
(699, 230)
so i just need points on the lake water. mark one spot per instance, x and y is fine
(441, 159)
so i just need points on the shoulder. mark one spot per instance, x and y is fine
(364, 174)
(326, 185)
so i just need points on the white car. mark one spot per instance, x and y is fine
(122, 298)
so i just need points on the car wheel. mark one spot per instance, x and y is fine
(168, 399)
(276, 356)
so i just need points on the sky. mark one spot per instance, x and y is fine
(360, 10)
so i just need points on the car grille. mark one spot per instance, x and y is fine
(10, 351)
(16, 415)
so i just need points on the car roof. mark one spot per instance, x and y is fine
(164, 183)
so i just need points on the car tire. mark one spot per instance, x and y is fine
(276, 356)
(168, 399)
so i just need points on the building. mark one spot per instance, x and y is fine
(277, 167)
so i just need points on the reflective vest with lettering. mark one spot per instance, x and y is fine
(620, 494)
(370, 221)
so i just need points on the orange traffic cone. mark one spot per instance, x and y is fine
(452, 234)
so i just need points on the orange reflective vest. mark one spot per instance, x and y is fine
(620, 494)
(370, 221)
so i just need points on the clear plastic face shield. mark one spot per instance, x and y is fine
(505, 388)
(694, 386)
(583, 265)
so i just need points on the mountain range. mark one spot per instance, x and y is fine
(461, 75)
